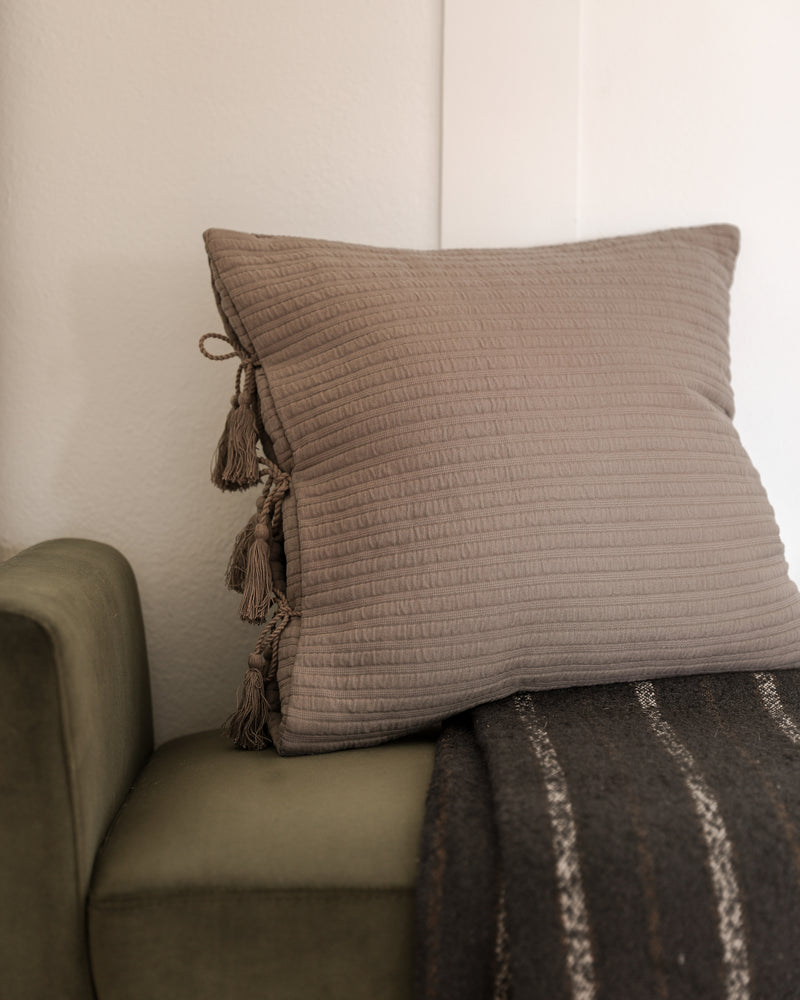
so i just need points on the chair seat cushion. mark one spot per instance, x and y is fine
(229, 873)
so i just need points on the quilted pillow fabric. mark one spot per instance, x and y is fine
(501, 470)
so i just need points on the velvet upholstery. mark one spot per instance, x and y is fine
(228, 873)
(219, 873)
(75, 730)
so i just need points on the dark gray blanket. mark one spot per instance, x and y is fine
(621, 842)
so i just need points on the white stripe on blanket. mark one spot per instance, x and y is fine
(773, 704)
(574, 917)
(720, 857)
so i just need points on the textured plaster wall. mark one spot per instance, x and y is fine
(127, 129)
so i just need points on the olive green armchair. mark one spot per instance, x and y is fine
(195, 870)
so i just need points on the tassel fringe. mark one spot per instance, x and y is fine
(237, 564)
(247, 727)
(220, 459)
(242, 468)
(257, 587)
(249, 568)
(236, 464)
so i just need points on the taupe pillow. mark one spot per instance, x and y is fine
(490, 470)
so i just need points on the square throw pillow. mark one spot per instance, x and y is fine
(486, 471)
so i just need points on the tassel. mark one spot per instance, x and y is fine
(257, 588)
(220, 459)
(237, 564)
(247, 727)
(236, 464)
(242, 467)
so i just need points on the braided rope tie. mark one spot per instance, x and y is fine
(271, 634)
(247, 364)
(237, 352)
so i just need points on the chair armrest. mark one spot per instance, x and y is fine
(75, 730)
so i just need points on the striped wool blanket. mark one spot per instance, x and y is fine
(620, 842)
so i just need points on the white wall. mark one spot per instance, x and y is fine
(129, 128)
(510, 122)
